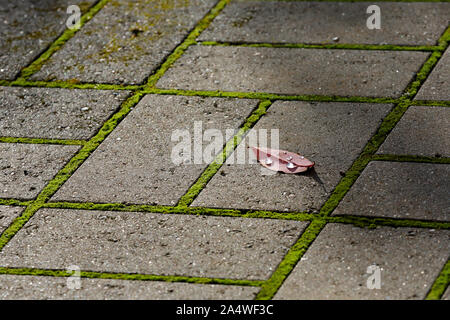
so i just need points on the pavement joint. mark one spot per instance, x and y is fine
(316, 222)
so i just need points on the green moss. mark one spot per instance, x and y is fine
(440, 284)
(42, 141)
(124, 276)
(268, 96)
(71, 85)
(14, 202)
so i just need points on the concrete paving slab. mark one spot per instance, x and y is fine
(330, 134)
(436, 85)
(7, 216)
(162, 244)
(336, 265)
(15, 287)
(134, 164)
(446, 295)
(56, 113)
(313, 23)
(27, 168)
(422, 131)
(28, 27)
(400, 190)
(294, 71)
(125, 41)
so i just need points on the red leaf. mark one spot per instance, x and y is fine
(281, 160)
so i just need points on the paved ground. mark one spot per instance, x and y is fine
(100, 200)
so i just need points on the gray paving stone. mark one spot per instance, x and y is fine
(7, 215)
(151, 243)
(436, 85)
(27, 168)
(400, 190)
(14, 287)
(336, 264)
(134, 163)
(294, 71)
(423, 131)
(330, 134)
(125, 41)
(56, 113)
(28, 27)
(446, 295)
(312, 22)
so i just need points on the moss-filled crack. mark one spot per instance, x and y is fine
(128, 276)
(69, 142)
(440, 284)
(70, 85)
(269, 96)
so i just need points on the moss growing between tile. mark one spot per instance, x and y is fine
(441, 283)
(268, 96)
(43, 141)
(271, 286)
(72, 85)
(14, 202)
(125, 276)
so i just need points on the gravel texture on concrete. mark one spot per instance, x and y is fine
(136, 242)
(28, 27)
(294, 71)
(125, 41)
(7, 216)
(330, 134)
(135, 163)
(315, 22)
(26, 168)
(14, 287)
(56, 113)
(400, 190)
(422, 131)
(409, 259)
(436, 85)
